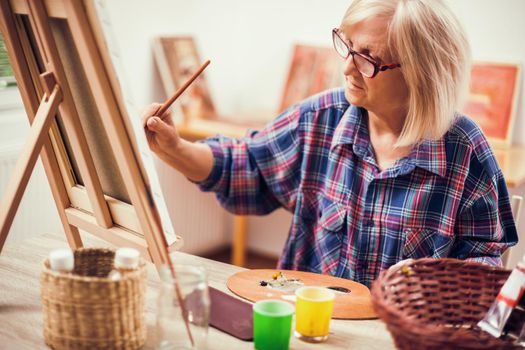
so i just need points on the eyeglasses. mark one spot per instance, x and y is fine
(365, 65)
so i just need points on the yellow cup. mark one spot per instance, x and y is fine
(313, 311)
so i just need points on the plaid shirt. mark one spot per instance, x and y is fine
(447, 198)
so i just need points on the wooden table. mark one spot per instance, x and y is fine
(21, 316)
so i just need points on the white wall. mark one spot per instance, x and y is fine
(249, 43)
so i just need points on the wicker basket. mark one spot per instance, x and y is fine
(436, 304)
(86, 310)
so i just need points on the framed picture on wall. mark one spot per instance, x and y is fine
(177, 58)
(312, 70)
(493, 98)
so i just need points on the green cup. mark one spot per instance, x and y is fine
(272, 324)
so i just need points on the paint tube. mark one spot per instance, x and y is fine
(521, 338)
(510, 294)
(515, 328)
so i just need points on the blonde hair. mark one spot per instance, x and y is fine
(426, 38)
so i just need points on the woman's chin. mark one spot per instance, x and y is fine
(353, 98)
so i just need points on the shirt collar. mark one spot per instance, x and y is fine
(353, 129)
(430, 155)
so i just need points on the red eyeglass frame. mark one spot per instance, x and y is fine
(377, 67)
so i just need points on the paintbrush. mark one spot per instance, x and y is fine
(179, 92)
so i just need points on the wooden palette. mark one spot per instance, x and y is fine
(357, 304)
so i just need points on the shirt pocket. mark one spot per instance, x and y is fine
(426, 243)
(332, 215)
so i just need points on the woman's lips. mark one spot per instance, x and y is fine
(354, 86)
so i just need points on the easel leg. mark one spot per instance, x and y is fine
(26, 162)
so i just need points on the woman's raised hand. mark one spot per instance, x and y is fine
(162, 135)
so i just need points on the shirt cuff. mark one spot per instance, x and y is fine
(218, 164)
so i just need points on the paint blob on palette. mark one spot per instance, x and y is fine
(280, 282)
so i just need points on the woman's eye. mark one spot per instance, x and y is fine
(375, 59)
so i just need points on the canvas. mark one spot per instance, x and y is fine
(492, 99)
(312, 70)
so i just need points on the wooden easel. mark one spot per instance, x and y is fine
(136, 224)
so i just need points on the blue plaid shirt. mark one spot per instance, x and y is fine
(447, 198)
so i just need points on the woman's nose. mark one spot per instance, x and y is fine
(349, 66)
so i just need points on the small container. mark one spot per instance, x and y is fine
(126, 260)
(272, 324)
(314, 307)
(62, 260)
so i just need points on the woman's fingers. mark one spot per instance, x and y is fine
(149, 111)
(158, 126)
(164, 134)
(160, 131)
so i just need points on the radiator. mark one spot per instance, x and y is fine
(197, 217)
(7, 164)
(37, 212)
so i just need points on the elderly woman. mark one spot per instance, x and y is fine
(381, 170)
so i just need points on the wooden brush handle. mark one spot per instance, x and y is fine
(179, 92)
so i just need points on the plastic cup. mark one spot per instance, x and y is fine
(313, 311)
(272, 324)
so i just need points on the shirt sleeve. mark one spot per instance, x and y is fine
(260, 172)
(485, 229)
